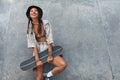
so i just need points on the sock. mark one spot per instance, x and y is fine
(49, 74)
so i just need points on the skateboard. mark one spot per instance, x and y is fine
(31, 63)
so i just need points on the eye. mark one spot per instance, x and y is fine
(31, 10)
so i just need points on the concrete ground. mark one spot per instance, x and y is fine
(89, 31)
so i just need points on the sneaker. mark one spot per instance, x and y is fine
(45, 76)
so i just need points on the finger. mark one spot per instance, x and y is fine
(48, 61)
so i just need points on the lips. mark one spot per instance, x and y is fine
(33, 14)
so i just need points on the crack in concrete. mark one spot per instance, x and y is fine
(104, 32)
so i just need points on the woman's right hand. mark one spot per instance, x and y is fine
(39, 63)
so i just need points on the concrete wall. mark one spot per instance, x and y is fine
(89, 31)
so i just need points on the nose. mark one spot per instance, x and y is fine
(33, 11)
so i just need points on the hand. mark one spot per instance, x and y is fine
(49, 59)
(39, 63)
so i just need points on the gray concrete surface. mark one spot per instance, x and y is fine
(89, 31)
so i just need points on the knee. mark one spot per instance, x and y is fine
(63, 65)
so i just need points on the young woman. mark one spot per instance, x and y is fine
(39, 36)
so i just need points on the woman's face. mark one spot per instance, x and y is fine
(34, 13)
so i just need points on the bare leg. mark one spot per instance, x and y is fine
(60, 65)
(39, 73)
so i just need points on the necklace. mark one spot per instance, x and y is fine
(35, 23)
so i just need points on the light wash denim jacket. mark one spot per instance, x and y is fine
(32, 42)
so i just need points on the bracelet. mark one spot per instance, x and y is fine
(49, 56)
(37, 60)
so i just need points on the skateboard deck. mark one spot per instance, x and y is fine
(31, 63)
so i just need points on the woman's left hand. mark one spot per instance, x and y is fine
(49, 59)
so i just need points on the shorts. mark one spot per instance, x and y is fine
(41, 46)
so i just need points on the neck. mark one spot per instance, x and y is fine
(35, 21)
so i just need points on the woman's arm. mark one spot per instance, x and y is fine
(37, 59)
(49, 39)
(49, 49)
(32, 44)
(50, 58)
(35, 51)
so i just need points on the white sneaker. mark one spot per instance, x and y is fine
(45, 76)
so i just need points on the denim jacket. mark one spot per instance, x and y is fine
(31, 40)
